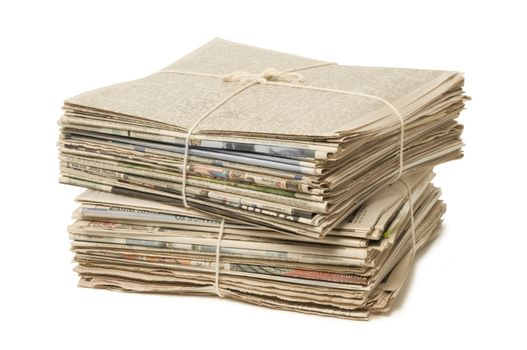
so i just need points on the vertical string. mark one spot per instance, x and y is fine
(191, 130)
(412, 222)
(217, 265)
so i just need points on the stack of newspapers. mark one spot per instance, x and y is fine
(257, 175)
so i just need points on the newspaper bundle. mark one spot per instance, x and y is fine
(130, 244)
(294, 153)
(266, 177)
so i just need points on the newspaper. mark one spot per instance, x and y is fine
(291, 159)
(131, 244)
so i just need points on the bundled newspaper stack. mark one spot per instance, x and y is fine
(253, 174)
(131, 244)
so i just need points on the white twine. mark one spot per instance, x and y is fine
(217, 265)
(292, 79)
(412, 222)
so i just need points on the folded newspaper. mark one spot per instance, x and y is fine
(286, 143)
(130, 244)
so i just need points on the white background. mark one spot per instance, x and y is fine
(467, 289)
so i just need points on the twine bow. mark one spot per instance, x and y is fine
(271, 74)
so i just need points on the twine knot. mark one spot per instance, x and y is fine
(271, 74)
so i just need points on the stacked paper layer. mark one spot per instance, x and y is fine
(285, 157)
(301, 157)
(138, 245)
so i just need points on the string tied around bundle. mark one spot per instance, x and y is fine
(217, 260)
(292, 79)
